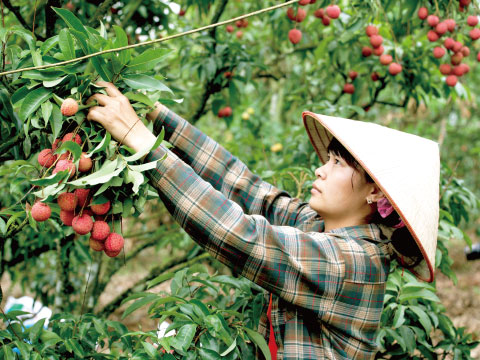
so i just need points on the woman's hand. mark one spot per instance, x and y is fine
(117, 116)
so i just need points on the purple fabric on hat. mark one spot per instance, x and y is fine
(384, 207)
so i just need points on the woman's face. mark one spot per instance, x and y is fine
(340, 192)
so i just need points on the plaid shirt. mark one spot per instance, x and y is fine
(328, 288)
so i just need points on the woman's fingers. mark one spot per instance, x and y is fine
(95, 113)
(101, 99)
(111, 89)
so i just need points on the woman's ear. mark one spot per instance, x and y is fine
(376, 194)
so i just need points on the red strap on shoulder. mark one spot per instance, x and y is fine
(272, 345)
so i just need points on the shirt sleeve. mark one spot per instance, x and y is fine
(229, 175)
(306, 269)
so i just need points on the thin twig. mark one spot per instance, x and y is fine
(151, 41)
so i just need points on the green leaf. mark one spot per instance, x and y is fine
(138, 304)
(150, 349)
(52, 189)
(399, 317)
(35, 330)
(121, 40)
(71, 20)
(415, 293)
(67, 46)
(113, 182)
(56, 121)
(184, 337)
(8, 353)
(71, 146)
(74, 345)
(230, 348)
(409, 337)
(139, 97)
(53, 83)
(147, 60)
(208, 354)
(148, 166)
(159, 279)
(102, 145)
(104, 174)
(102, 68)
(134, 177)
(47, 108)
(259, 340)
(144, 82)
(423, 318)
(147, 149)
(32, 101)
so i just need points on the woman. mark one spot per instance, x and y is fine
(324, 264)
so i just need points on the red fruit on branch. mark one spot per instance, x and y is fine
(114, 242)
(69, 107)
(378, 51)
(69, 137)
(291, 13)
(472, 20)
(348, 88)
(100, 230)
(465, 50)
(230, 28)
(433, 20)
(450, 24)
(375, 76)
(352, 74)
(182, 12)
(441, 28)
(46, 158)
(65, 165)
(422, 13)
(83, 224)
(333, 11)
(82, 197)
(100, 209)
(371, 30)
(96, 245)
(445, 69)
(465, 3)
(451, 80)
(438, 52)
(376, 40)
(304, 2)
(432, 36)
(386, 59)
(474, 34)
(67, 201)
(457, 46)
(395, 68)
(465, 68)
(239, 34)
(40, 211)
(449, 43)
(319, 13)
(295, 36)
(326, 20)
(366, 51)
(458, 70)
(456, 58)
(85, 163)
(67, 217)
(478, 56)
(55, 144)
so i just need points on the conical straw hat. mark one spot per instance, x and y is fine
(406, 167)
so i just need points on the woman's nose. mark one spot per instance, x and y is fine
(320, 172)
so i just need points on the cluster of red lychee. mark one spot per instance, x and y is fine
(243, 23)
(330, 12)
(76, 212)
(75, 208)
(376, 41)
(225, 112)
(457, 51)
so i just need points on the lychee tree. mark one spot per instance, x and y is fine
(75, 194)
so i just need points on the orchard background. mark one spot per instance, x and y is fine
(244, 83)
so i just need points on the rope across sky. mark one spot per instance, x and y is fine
(151, 41)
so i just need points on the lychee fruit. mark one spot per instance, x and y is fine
(65, 165)
(378, 51)
(326, 20)
(100, 209)
(433, 20)
(82, 224)
(451, 80)
(69, 137)
(465, 51)
(82, 196)
(445, 69)
(449, 43)
(300, 16)
(450, 24)
(182, 12)
(456, 58)
(474, 34)
(348, 88)
(46, 158)
(230, 28)
(352, 74)
(100, 230)
(366, 51)
(114, 242)
(40, 211)
(376, 40)
(295, 35)
(85, 163)
(66, 217)
(55, 144)
(371, 30)
(112, 253)
(67, 201)
(386, 59)
(472, 20)
(69, 107)
(333, 11)
(319, 13)
(432, 36)
(239, 34)
(457, 46)
(304, 2)
(422, 13)
(395, 68)
(441, 28)
(375, 76)
(96, 245)
(438, 52)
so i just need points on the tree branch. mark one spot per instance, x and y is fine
(216, 18)
(16, 11)
(173, 265)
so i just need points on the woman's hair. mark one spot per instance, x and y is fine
(401, 238)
